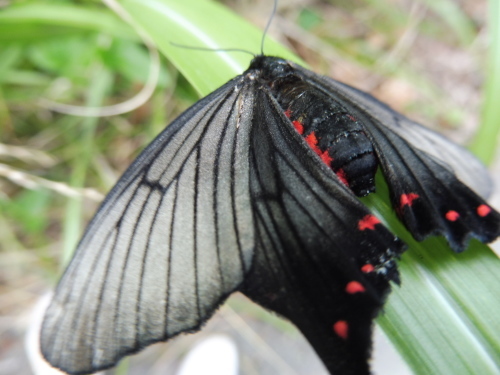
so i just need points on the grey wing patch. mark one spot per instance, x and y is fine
(171, 241)
(449, 155)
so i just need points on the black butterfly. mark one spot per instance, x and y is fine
(254, 189)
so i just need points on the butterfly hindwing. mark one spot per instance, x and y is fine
(449, 208)
(436, 186)
(171, 241)
(311, 252)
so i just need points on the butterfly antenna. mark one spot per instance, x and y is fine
(273, 13)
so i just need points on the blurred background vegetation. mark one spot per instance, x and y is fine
(435, 61)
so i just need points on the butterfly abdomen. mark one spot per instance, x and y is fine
(331, 131)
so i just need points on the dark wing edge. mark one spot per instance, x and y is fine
(322, 259)
(436, 186)
(136, 277)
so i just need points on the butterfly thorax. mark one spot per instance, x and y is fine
(328, 127)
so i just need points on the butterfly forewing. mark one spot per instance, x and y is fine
(170, 242)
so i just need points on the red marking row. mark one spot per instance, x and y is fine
(311, 139)
(368, 222)
(452, 215)
(341, 327)
(482, 210)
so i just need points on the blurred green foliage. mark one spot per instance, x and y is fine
(57, 50)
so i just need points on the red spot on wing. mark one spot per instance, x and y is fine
(368, 222)
(298, 126)
(407, 199)
(351, 117)
(288, 112)
(354, 287)
(325, 156)
(312, 141)
(367, 268)
(452, 215)
(341, 328)
(483, 210)
(342, 176)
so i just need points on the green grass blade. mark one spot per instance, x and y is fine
(443, 319)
